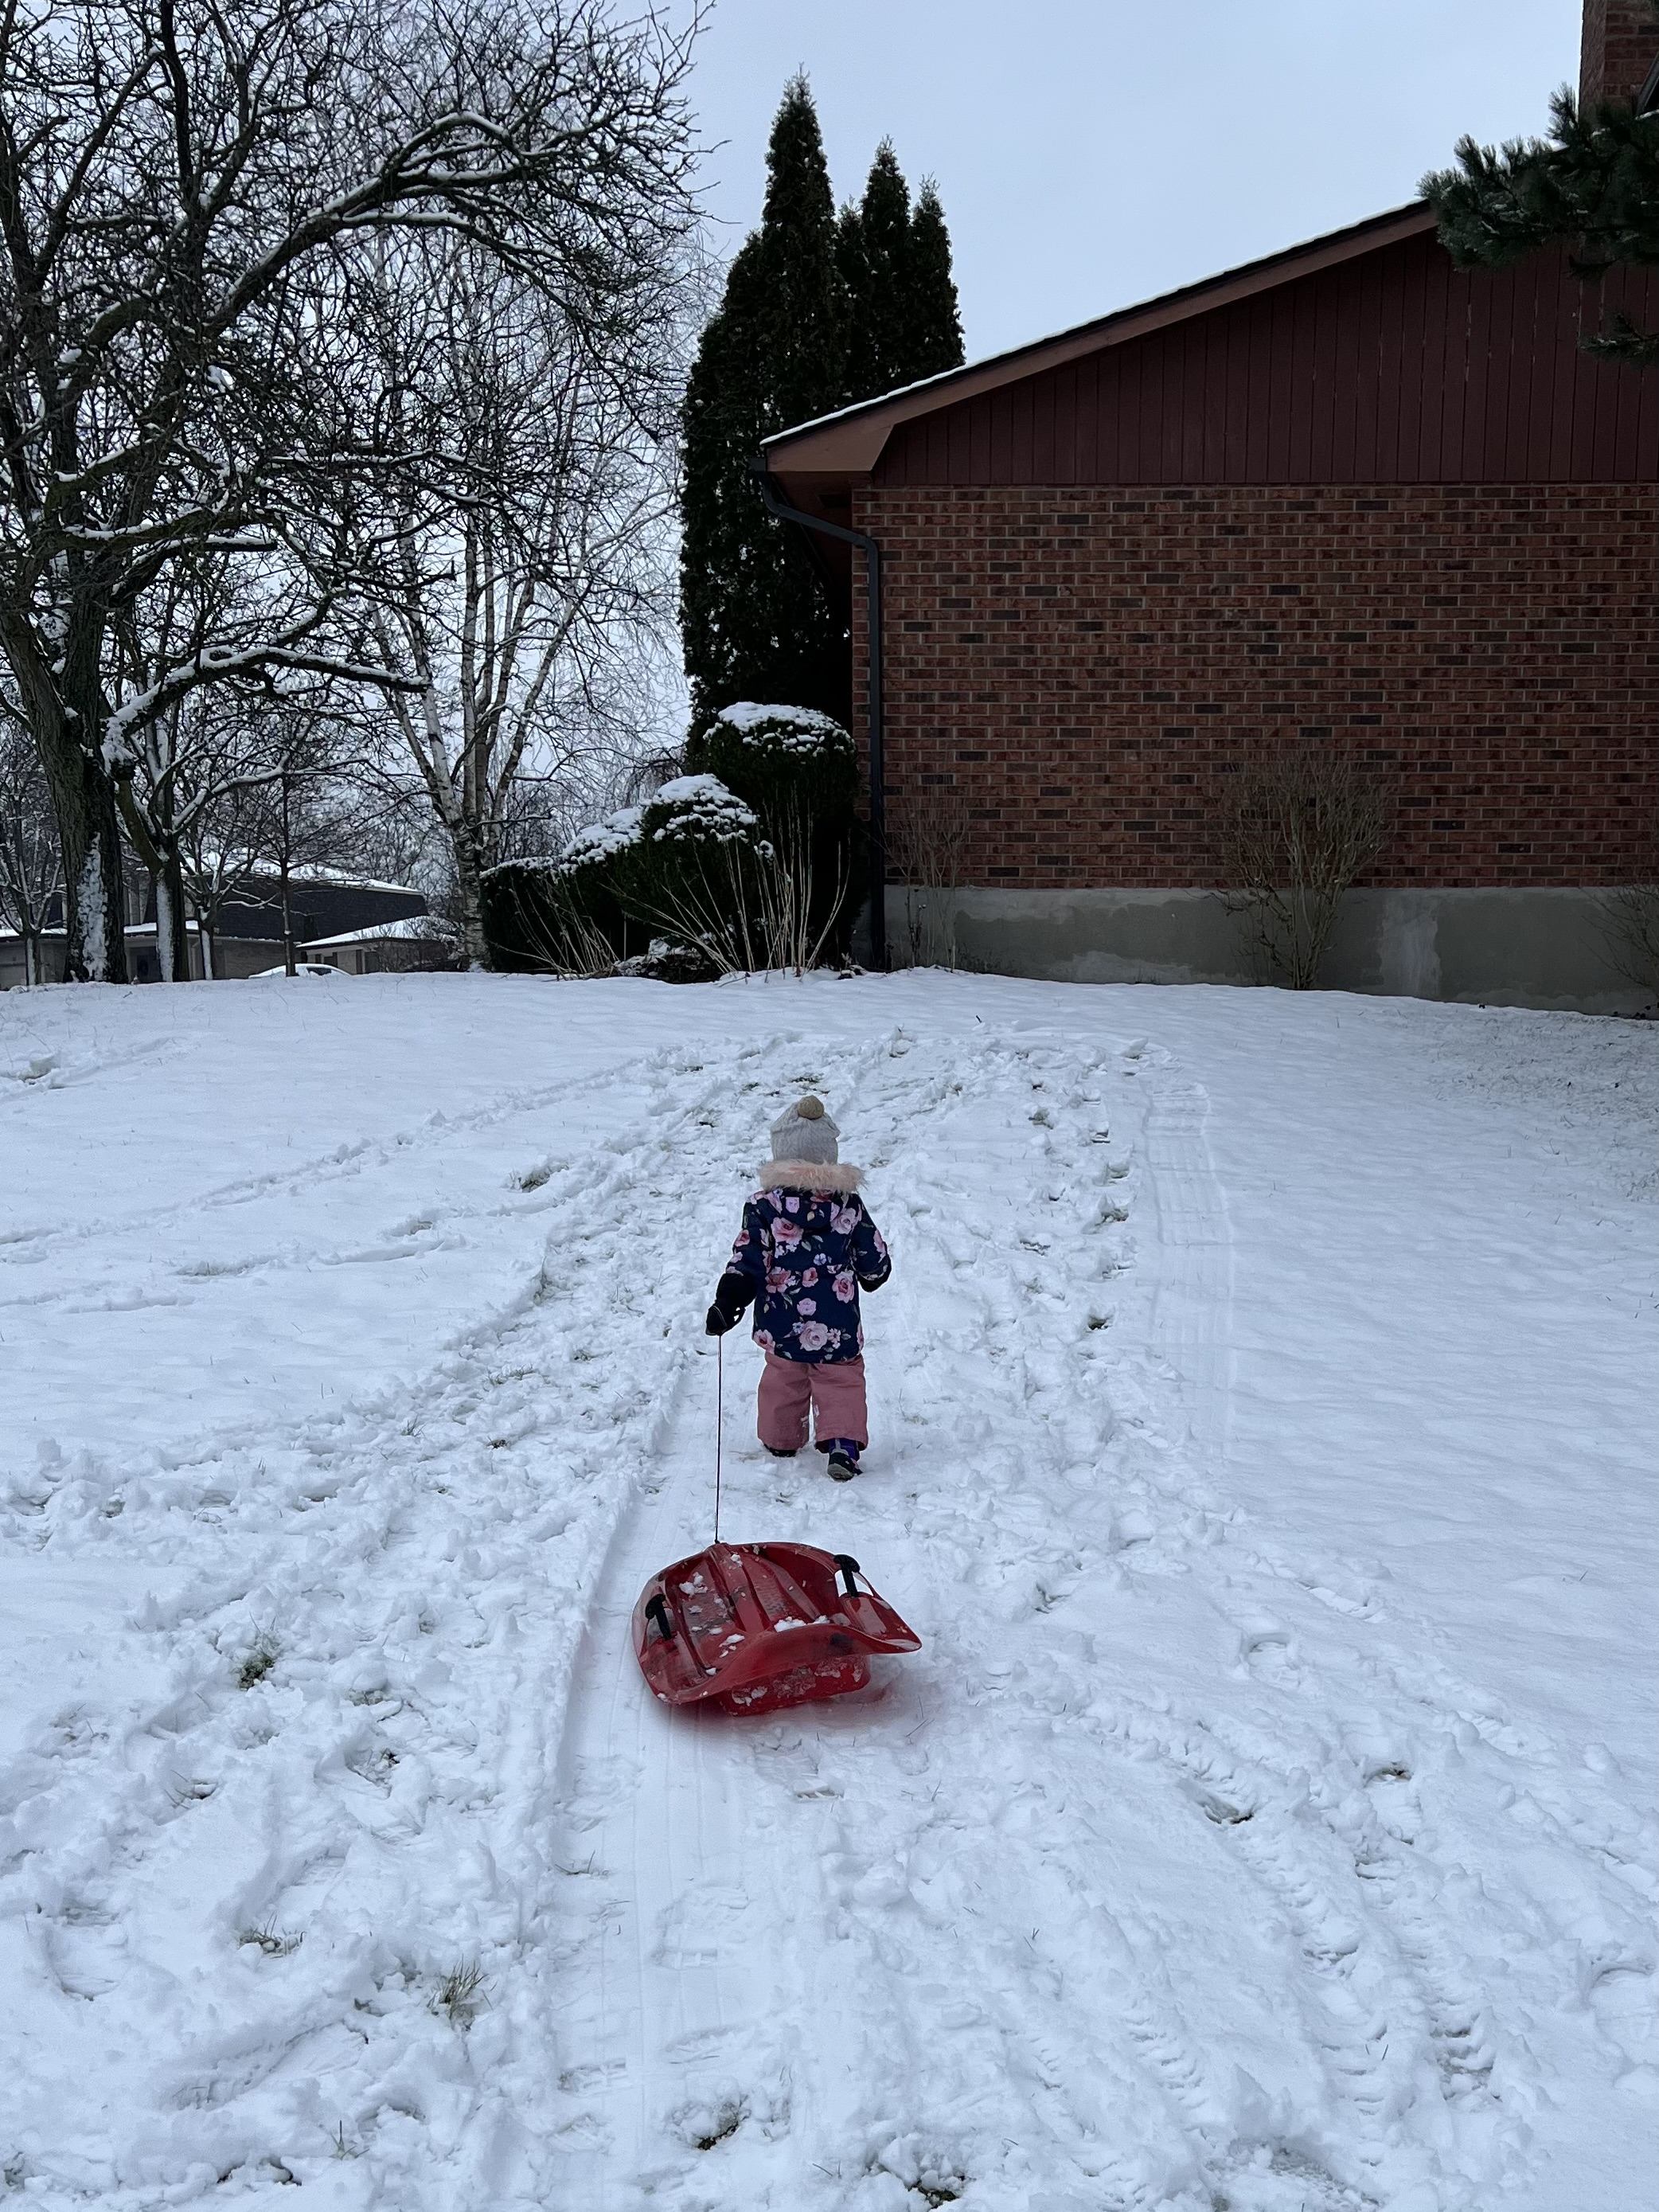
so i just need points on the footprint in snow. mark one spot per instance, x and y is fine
(1269, 1653)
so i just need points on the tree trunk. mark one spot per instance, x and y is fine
(288, 901)
(172, 927)
(94, 893)
(469, 882)
(31, 956)
(83, 799)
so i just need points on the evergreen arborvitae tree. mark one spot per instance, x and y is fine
(875, 258)
(934, 340)
(816, 313)
(755, 620)
(1593, 186)
(902, 319)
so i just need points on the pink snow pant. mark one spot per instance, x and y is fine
(834, 1388)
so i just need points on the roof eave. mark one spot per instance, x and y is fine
(848, 443)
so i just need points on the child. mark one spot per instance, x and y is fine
(805, 1249)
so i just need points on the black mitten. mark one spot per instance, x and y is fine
(731, 1294)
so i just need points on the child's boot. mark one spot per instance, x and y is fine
(844, 1459)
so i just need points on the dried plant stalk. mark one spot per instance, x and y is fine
(928, 851)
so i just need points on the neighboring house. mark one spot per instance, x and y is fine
(1346, 494)
(417, 944)
(248, 935)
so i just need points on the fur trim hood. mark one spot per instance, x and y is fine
(809, 1175)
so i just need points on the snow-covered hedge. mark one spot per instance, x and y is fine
(798, 768)
(698, 809)
(602, 840)
(769, 788)
(802, 732)
(621, 881)
(793, 764)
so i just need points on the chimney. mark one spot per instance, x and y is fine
(1620, 47)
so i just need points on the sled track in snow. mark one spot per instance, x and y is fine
(767, 1922)
(676, 1849)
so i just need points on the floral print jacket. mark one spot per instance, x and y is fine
(806, 1254)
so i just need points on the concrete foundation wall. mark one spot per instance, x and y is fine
(1556, 948)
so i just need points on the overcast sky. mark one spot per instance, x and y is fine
(1092, 153)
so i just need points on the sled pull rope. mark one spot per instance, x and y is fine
(850, 1569)
(719, 1423)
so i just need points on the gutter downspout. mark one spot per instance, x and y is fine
(871, 552)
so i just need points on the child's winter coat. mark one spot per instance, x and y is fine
(804, 1255)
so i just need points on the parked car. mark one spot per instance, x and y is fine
(300, 968)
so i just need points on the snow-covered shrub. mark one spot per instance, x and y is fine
(601, 841)
(685, 862)
(726, 879)
(783, 760)
(795, 729)
(697, 809)
(561, 915)
(798, 768)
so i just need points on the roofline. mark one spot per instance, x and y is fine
(850, 442)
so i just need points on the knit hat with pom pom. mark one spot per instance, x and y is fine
(806, 1132)
(804, 1154)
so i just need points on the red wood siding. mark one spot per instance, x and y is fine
(1392, 368)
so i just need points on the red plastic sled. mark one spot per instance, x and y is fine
(753, 1626)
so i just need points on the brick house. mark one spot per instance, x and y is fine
(1347, 494)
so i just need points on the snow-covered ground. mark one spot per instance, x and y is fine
(1264, 1447)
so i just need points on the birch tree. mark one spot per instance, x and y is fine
(183, 187)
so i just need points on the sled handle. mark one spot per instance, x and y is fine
(658, 1611)
(849, 1568)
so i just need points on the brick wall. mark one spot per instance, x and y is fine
(1617, 50)
(1079, 671)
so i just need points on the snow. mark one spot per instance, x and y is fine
(701, 806)
(414, 928)
(599, 840)
(1262, 1445)
(792, 729)
(264, 871)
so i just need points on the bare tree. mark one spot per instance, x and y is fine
(185, 186)
(219, 858)
(31, 865)
(213, 753)
(527, 571)
(1296, 827)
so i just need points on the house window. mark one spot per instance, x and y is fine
(1647, 101)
